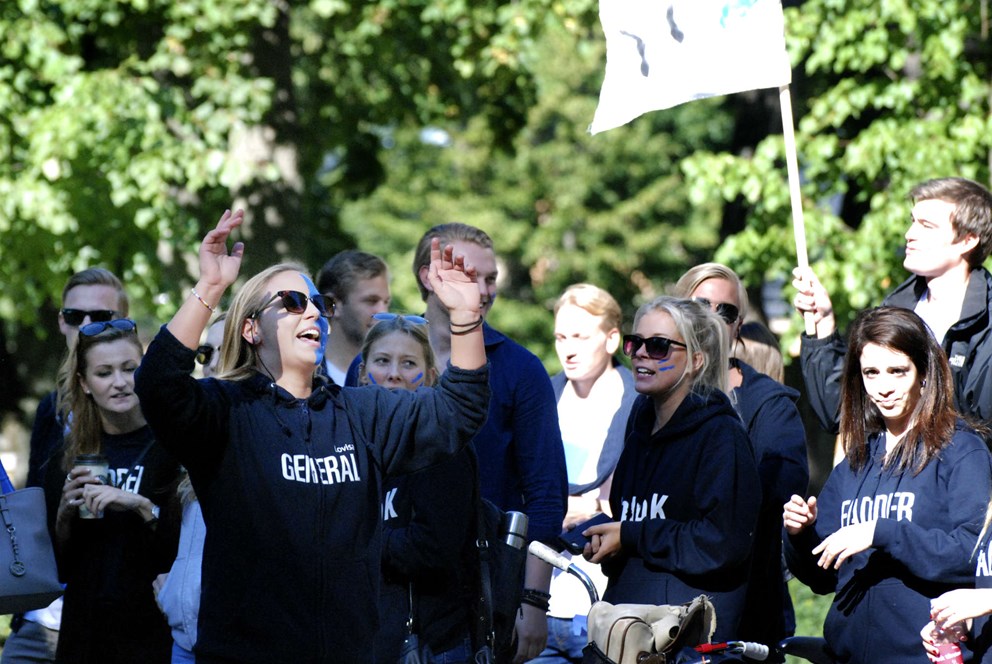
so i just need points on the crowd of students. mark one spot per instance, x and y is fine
(311, 498)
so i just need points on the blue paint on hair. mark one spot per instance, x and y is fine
(322, 323)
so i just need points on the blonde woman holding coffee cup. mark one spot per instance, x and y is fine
(114, 528)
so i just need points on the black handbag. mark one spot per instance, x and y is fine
(500, 584)
(29, 578)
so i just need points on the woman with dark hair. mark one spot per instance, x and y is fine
(898, 519)
(107, 533)
(289, 469)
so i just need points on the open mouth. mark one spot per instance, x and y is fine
(311, 334)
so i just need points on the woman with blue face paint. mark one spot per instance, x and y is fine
(288, 469)
(428, 552)
(685, 491)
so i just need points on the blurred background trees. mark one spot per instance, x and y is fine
(128, 126)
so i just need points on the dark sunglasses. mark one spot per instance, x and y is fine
(295, 302)
(728, 312)
(409, 318)
(122, 324)
(75, 317)
(205, 353)
(658, 348)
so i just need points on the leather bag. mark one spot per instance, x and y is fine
(29, 578)
(647, 634)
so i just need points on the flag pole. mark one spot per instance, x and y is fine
(795, 196)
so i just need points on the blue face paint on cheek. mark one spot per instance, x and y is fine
(371, 378)
(322, 323)
(420, 377)
(665, 365)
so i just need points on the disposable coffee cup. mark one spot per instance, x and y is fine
(98, 467)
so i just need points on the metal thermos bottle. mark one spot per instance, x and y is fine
(516, 529)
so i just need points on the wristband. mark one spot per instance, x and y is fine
(536, 598)
(465, 328)
(202, 301)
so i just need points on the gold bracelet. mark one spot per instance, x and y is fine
(202, 301)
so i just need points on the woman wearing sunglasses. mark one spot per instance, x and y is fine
(897, 522)
(778, 439)
(108, 536)
(686, 490)
(289, 470)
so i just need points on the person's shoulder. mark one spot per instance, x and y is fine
(907, 293)
(709, 410)
(763, 385)
(966, 439)
(500, 347)
(47, 406)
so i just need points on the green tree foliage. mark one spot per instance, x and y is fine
(889, 94)
(127, 126)
(562, 206)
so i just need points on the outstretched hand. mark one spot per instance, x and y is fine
(218, 267)
(453, 281)
(844, 543)
(961, 605)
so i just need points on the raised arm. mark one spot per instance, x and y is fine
(218, 270)
(455, 286)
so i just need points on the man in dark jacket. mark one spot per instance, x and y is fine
(949, 238)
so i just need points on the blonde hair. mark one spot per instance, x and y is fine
(238, 358)
(759, 348)
(401, 325)
(690, 281)
(703, 333)
(594, 300)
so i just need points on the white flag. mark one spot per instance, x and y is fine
(662, 53)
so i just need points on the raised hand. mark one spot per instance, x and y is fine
(218, 267)
(812, 297)
(454, 282)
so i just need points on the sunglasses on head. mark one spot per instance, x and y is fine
(728, 312)
(122, 324)
(409, 318)
(295, 302)
(657, 348)
(205, 353)
(75, 317)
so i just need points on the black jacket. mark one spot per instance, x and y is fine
(429, 526)
(687, 498)
(778, 438)
(109, 614)
(968, 344)
(291, 493)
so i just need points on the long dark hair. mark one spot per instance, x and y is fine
(933, 418)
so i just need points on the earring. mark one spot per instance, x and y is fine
(923, 383)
